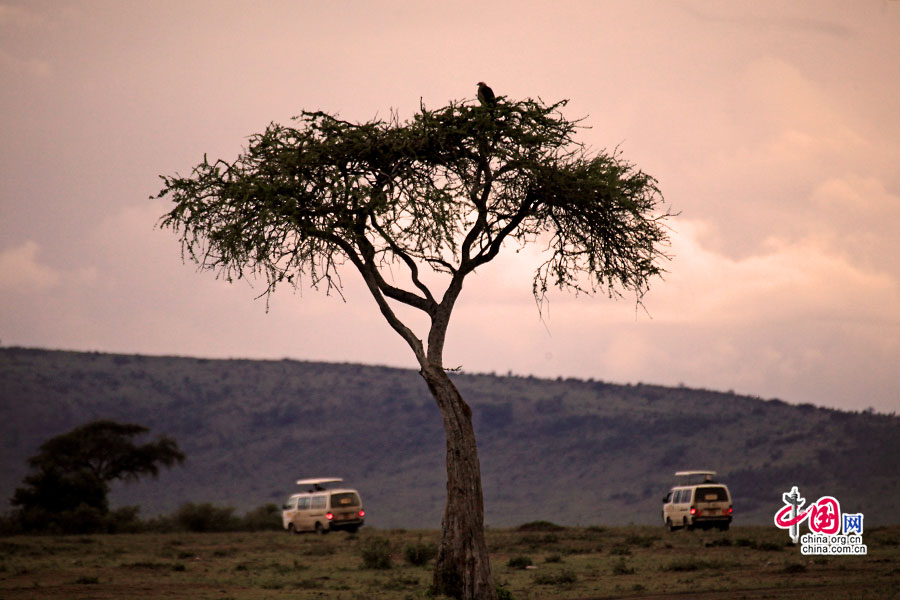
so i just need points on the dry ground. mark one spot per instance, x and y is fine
(572, 563)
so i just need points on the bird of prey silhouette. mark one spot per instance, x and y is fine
(486, 95)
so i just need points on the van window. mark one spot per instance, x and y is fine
(303, 503)
(682, 496)
(289, 504)
(712, 494)
(318, 502)
(344, 499)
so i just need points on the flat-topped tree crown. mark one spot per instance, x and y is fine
(442, 192)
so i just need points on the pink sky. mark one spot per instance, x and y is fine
(773, 127)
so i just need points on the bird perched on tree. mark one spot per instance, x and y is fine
(486, 95)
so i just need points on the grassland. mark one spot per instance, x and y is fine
(530, 563)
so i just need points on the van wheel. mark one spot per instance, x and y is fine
(291, 529)
(723, 527)
(684, 524)
(320, 530)
(669, 527)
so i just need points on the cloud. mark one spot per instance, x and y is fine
(796, 320)
(26, 66)
(22, 272)
(784, 280)
(19, 16)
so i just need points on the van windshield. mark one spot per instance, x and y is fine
(344, 499)
(711, 494)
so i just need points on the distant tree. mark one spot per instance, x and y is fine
(416, 207)
(69, 482)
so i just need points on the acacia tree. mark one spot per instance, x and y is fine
(72, 472)
(415, 207)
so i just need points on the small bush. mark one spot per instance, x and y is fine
(376, 553)
(553, 558)
(503, 593)
(622, 568)
(420, 553)
(693, 564)
(620, 551)
(124, 520)
(561, 578)
(540, 526)
(680, 566)
(264, 518)
(794, 568)
(519, 562)
(538, 541)
(87, 580)
(205, 517)
(640, 540)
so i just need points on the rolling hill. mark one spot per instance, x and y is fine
(567, 451)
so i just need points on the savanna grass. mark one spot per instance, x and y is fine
(278, 566)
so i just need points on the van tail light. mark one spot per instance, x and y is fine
(727, 511)
(362, 513)
(693, 511)
(329, 516)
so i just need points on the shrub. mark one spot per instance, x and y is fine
(503, 593)
(124, 520)
(420, 553)
(540, 526)
(794, 568)
(621, 568)
(640, 540)
(561, 578)
(553, 558)
(681, 566)
(376, 553)
(264, 518)
(519, 562)
(205, 518)
(693, 564)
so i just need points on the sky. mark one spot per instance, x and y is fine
(773, 129)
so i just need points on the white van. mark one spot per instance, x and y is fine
(705, 503)
(322, 510)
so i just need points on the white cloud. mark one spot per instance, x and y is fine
(21, 271)
(784, 280)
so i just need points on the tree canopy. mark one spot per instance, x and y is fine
(70, 477)
(443, 192)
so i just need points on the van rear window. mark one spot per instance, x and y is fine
(711, 494)
(343, 499)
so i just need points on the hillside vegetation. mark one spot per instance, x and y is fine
(569, 451)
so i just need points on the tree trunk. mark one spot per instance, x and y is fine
(462, 568)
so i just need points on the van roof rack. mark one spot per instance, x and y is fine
(696, 477)
(693, 473)
(319, 481)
